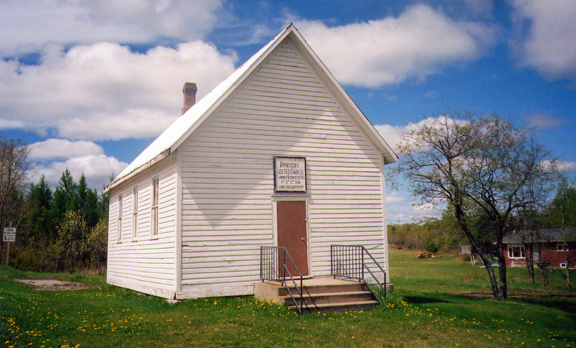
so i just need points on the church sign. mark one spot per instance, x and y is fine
(290, 174)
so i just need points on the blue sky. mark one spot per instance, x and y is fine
(89, 84)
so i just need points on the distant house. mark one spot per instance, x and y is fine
(555, 247)
(277, 153)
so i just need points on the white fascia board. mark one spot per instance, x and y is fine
(228, 86)
(186, 124)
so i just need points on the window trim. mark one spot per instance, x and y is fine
(154, 201)
(135, 212)
(120, 212)
(520, 251)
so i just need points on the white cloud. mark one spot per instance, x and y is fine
(105, 91)
(566, 166)
(27, 25)
(394, 197)
(545, 38)
(96, 168)
(560, 166)
(393, 134)
(418, 43)
(62, 148)
(401, 207)
(543, 121)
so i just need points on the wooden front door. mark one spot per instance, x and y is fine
(291, 227)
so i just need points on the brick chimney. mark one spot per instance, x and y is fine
(189, 91)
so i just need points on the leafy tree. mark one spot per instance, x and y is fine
(70, 247)
(479, 165)
(562, 214)
(444, 232)
(61, 226)
(98, 243)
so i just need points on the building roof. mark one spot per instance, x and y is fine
(543, 236)
(185, 125)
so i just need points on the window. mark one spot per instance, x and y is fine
(560, 246)
(516, 252)
(134, 212)
(119, 218)
(155, 196)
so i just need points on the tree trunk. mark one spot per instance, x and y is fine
(542, 265)
(496, 291)
(568, 283)
(502, 273)
(529, 255)
(544, 276)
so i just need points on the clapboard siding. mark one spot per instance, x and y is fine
(283, 109)
(145, 263)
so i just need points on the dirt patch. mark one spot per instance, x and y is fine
(52, 284)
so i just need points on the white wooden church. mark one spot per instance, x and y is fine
(277, 152)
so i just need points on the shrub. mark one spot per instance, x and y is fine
(98, 244)
(431, 246)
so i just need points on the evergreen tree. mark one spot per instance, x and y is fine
(82, 192)
(65, 198)
(92, 212)
(40, 223)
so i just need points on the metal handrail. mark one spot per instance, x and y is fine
(347, 261)
(269, 270)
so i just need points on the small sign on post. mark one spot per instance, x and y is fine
(9, 236)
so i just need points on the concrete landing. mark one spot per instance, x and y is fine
(320, 294)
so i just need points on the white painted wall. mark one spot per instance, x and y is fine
(284, 109)
(145, 263)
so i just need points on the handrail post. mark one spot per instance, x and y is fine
(269, 257)
(362, 262)
(351, 260)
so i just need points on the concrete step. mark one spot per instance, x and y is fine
(330, 288)
(339, 307)
(321, 295)
(331, 297)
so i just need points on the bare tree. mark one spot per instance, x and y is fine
(479, 166)
(13, 170)
(530, 217)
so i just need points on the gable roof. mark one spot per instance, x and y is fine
(185, 125)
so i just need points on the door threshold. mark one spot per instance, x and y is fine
(303, 277)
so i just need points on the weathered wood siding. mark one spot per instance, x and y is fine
(145, 263)
(284, 109)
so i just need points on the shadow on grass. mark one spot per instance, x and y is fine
(423, 300)
(566, 305)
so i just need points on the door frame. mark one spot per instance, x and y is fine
(295, 198)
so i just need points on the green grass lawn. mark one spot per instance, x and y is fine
(437, 303)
